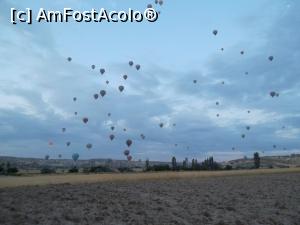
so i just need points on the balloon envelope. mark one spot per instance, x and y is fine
(121, 88)
(102, 93)
(75, 157)
(129, 142)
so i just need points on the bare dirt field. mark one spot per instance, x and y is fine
(233, 198)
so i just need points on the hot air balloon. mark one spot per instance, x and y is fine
(149, 6)
(143, 136)
(130, 63)
(74, 99)
(233, 148)
(137, 66)
(85, 119)
(248, 127)
(121, 88)
(96, 96)
(89, 146)
(59, 156)
(107, 82)
(249, 111)
(69, 59)
(272, 94)
(111, 137)
(215, 32)
(176, 145)
(242, 52)
(63, 129)
(108, 114)
(156, 1)
(274, 146)
(112, 127)
(243, 135)
(68, 143)
(218, 115)
(75, 113)
(271, 58)
(102, 93)
(125, 77)
(124, 129)
(223, 82)
(129, 158)
(47, 157)
(161, 125)
(222, 49)
(126, 152)
(102, 71)
(50, 143)
(129, 142)
(75, 157)
(160, 2)
(174, 124)
(246, 73)
(195, 81)
(93, 67)
(217, 103)
(277, 94)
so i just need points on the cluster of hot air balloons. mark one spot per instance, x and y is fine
(102, 93)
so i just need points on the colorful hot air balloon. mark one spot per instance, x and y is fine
(161, 125)
(129, 143)
(102, 93)
(93, 67)
(215, 32)
(271, 58)
(130, 63)
(121, 88)
(75, 157)
(111, 137)
(69, 59)
(272, 94)
(126, 152)
(137, 66)
(74, 99)
(102, 71)
(85, 119)
(125, 77)
(96, 96)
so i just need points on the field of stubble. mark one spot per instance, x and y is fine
(231, 200)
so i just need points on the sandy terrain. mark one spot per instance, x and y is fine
(233, 200)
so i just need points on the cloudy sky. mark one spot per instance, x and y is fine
(37, 83)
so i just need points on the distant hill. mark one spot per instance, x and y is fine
(267, 162)
(37, 164)
(31, 164)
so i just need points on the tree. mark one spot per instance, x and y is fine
(147, 165)
(174, 164)
(185, 163)
(256, 160)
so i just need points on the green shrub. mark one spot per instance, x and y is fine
(73, 170)
(47, 170)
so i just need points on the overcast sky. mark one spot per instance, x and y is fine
(37, 83)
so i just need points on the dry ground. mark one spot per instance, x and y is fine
(259, 197)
